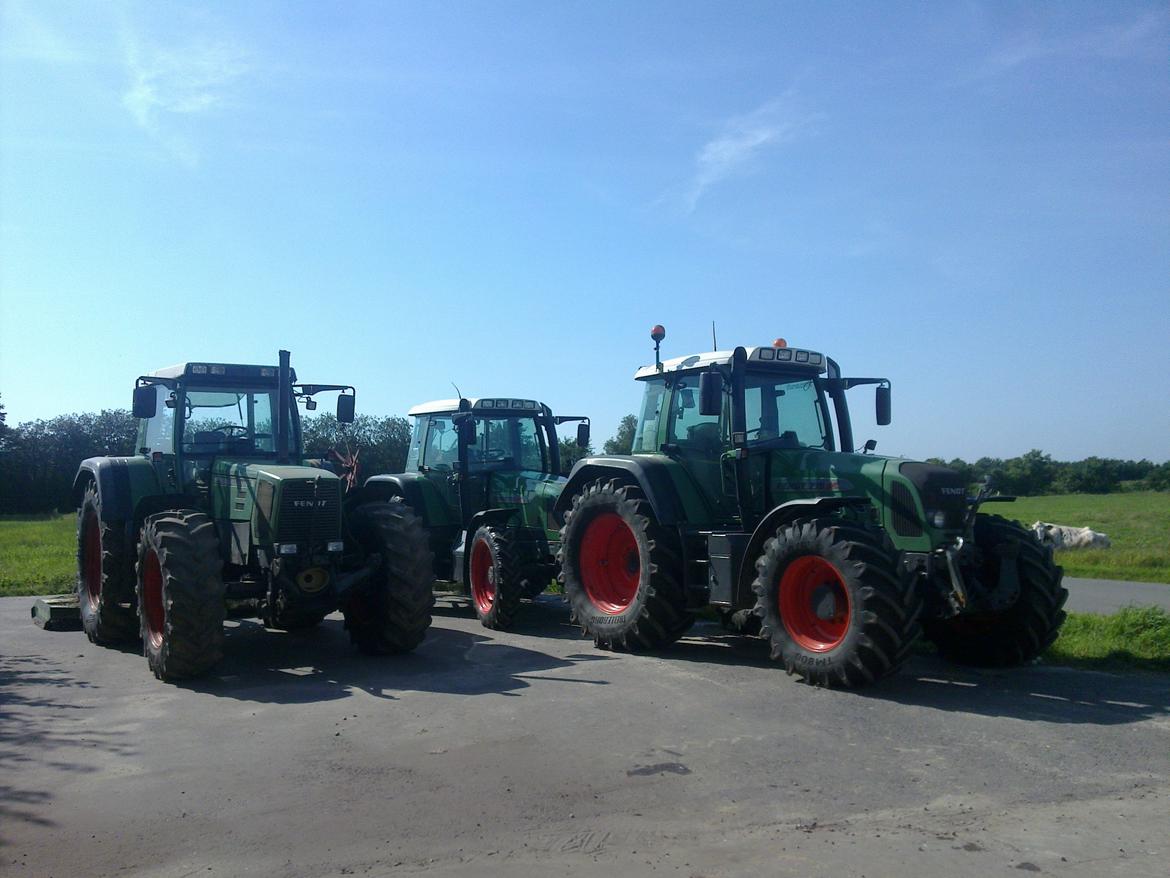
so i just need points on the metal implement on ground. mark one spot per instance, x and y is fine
(483, 475)
(744, 493)
(219, 513)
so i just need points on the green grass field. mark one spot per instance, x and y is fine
(1138, 524)
(38, 555)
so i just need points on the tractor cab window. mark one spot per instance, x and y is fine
(532, 446)
(704, 435)
(441, 450)
(229, 421)
(495, 444)
(157, 433)
(646, 436)
(786, 413)
(416, 439)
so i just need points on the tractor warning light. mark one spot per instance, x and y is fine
(658, 332)
(780, 343)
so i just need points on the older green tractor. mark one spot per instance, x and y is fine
(744, 493)
(483, 475)
(219, 513)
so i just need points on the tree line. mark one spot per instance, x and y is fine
(38, 459)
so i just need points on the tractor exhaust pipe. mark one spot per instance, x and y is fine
(283, 400)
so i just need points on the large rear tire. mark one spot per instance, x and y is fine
(105, 575)
(1024, 629)
(834, 602)
(621, 570)
(180, 594)
(496, 586)
(391, 612)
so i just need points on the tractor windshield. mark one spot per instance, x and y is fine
(238, 421)
(786, 412)
(508, 443)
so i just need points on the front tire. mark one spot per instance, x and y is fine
(835, 604)
(621, 570)
(180, 594)
(391, 612)
(496, 587)
(105, 575)
(1021, 631)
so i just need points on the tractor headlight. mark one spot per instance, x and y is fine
(287, 548)
(335, 546)
(938, 518)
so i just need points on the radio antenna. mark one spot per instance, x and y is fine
(457, 393)
(714, 344)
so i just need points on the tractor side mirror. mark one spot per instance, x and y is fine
(710, 394)
(582, 435)
(883, 404)
(466, 429)
(145, 401)
(345, 408)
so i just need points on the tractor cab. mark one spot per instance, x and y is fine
(749, 425)
(484, 476)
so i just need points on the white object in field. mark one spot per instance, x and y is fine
(1062, 536)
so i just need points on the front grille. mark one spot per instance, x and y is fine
(905, 517)
(941, 490)
(310, 509)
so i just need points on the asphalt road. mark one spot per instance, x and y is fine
(1107, 595)
(533, 754)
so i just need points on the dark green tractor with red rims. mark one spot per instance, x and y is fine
(483, 475)
(219, 513)
(744, 493)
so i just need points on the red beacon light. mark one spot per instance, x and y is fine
(657, 333)
(780, 343)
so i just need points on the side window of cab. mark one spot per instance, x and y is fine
(157, 433)
(441, 450)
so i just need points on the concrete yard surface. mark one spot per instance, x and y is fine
(533, 754)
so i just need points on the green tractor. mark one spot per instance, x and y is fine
(741, 496)
(219, 513)
(484, 474)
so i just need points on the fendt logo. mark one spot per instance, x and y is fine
(309, 504)
(953, 492)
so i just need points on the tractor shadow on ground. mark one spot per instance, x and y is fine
(544, 616)
(39, 731)
(321, 665)
(1039, 692)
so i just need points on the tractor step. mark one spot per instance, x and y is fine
(57, 613)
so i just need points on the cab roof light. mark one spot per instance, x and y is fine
(802, 356)
(198, 369)
(783, 354)
(780, 343)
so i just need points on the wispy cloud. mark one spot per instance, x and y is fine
(1143, 37)
(166, 83)
(741, 143)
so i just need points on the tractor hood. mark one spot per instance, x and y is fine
(919, 503)
(283, 503)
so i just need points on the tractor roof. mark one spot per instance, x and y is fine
(486, 405)
(219, 372)
(764, 356)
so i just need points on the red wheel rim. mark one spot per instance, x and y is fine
(483, 576)
(814, 603)
(91, 562)
(152, 599)
(610, 564)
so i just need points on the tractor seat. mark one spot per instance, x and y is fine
(788, 439)
(205, 441)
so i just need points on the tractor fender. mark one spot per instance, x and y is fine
(416, 492)
(649, 472)
(112, 477)
(780, 516)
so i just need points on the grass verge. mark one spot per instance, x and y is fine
(1135, 638)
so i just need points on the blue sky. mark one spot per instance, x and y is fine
(970, 199)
